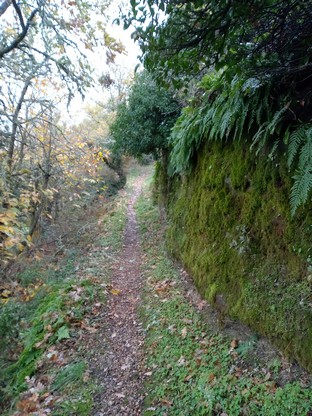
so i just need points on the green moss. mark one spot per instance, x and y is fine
(230, 224)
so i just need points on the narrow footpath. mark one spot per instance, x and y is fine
(121, 370)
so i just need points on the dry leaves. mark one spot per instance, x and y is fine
(115, 292)
(184, 332)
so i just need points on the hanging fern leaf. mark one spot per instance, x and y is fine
(296, 138)
(300, 189)
(301, 140)
(305, 157)
(234, 110)
(276, 120)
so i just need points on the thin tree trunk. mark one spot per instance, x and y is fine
(15, 124)
(46, 177)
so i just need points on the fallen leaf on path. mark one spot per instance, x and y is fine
(28, 405)
(267, 376)
(187, 321)
(234, 343)
(201, 305)
(45, 338)
(171, 328)
(198, 361)
(211, 377)
(165, 402)
(164, 285)
(182, 361)
(115, 292)
(88, 328)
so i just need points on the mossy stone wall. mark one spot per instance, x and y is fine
(230, 225)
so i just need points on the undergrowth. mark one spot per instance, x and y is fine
(46, 317)
(191, 370)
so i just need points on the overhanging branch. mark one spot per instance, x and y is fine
(21, 36)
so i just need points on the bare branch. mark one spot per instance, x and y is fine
(19, 13)
(4, 6)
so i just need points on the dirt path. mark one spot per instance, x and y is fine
(118, 361)
(121, 370)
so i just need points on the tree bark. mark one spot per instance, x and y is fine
(4, 6)
(15, 123)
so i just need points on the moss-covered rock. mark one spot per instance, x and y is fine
(230, 224)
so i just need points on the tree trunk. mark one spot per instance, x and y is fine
(15, 124)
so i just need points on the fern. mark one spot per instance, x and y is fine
(240, 124)
(275, 122)
(300, 189)
(296, 138)
(301, 142)
(238, 108)
(305, 157)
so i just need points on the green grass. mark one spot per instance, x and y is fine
(78, 392)
(193, 371)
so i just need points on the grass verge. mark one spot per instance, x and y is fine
(193, 371)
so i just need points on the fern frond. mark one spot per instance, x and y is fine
(296, 138)
(305, 157)
(276, 120)
(225, 123)
(241, 119)
(252, 116)
(300, 189)
(260, 136)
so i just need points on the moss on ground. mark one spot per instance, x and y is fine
(230, 224)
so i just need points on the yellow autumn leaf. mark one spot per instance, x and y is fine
(115, 292)
(20, 246)
(6, 230)
(10, 242)
(8, 217)
(13, 202)
(5, 294)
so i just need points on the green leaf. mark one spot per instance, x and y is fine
(63, 333)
